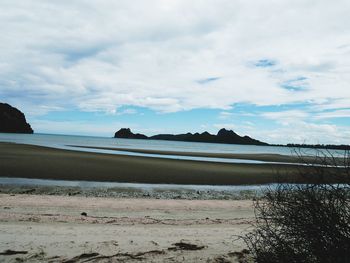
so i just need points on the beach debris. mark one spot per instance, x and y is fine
(185, 246)
(154, 243)
(151, 252)
(86, 257)
(10, 252)
(83, 214)
(73, 193)
(110, 243)
(38, 256)
(82, 256)
(29, 191)
(52, 259)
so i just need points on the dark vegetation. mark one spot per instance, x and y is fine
(320, 146)
(12, 120)
(223, 136)
(305, 222)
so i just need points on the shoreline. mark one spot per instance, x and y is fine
(29, 161)
(161, 192)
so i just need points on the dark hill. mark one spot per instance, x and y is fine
(223, 136)
(127, 134)
(12, 120)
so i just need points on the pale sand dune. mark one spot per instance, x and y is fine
(52, 228)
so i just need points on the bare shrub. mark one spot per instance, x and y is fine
(305, 222)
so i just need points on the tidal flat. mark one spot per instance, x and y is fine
(29, 161)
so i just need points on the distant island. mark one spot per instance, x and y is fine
(13, 120)
(223, 136)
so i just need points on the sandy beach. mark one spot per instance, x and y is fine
(28, 161)
(43, 228)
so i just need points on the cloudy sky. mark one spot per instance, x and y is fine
(275, 70)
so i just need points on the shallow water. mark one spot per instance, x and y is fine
(61, 141)
(148, 187)
(167, 156)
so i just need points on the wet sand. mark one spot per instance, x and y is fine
(28, 161)
(39, 228)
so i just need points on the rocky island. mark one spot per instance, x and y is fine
(13, 120)
(223, 136)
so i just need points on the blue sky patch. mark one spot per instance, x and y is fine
(297, 84)
(263, 63)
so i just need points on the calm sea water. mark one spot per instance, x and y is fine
(62, 142)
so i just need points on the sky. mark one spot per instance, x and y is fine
(276, 70)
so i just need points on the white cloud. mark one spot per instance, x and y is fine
(174, 55)
(101, 55)
(334, 114)
(127, 111)
(225, 115)
(306, 132)
(286, 117)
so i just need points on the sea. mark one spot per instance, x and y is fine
(63, 142)
(66, 142)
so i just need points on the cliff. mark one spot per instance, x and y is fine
(12, 120)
